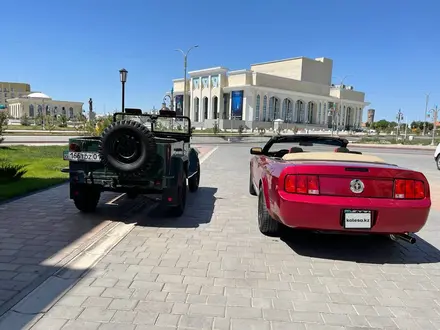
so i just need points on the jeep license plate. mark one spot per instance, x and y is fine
(90, 157)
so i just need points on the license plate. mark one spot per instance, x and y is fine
(357, 219)
(91, 157)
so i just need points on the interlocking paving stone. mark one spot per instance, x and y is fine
(213, 269)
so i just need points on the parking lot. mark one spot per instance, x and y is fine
(210, 269)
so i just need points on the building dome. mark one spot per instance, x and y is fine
(38, 95)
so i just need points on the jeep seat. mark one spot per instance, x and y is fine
(295, 149)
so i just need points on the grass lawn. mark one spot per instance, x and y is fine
(43, 165)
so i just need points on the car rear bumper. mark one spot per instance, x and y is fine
(389, 216)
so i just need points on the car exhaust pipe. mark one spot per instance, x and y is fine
(404, 237)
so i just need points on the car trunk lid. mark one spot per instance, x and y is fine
(349, 179)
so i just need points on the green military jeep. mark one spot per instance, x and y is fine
(138, 154)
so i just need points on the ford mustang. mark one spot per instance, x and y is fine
(317, 183)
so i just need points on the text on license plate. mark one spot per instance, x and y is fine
(82, 156)
(357, 219)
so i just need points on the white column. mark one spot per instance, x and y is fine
(210, 107)
(220, 97)
(191, 107)
(306, 111)
(249, 105)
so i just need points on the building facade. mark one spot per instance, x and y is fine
(37, 104)
(10, 90)
(298, 91)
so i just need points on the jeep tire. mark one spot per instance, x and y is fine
(87, 199)
(178, 210)
(128, 147)
(193, 182)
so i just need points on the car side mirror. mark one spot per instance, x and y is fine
(256, 151)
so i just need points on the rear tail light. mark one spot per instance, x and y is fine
(74, 147)
(409, 189)
(302, 184)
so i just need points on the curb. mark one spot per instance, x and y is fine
(380, 146)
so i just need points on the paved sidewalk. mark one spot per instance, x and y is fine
(212, 269)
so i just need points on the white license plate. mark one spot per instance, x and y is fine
(92, 157)
(354, 219)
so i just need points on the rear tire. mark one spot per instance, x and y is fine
(178, 210)
(267, 225)
(251, 185)
(87, 199)
(194, 181)
(437, 162)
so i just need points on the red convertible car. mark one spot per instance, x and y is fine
(317, 183)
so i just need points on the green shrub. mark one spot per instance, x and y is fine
(10, 172)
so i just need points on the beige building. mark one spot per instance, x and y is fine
(298, 91)
(36, 103)
(10, 90)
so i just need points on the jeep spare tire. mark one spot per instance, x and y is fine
(128, 147)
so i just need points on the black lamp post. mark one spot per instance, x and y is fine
(123, 76)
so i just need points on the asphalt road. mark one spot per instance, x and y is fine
(213, 269)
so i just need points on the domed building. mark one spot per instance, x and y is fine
(37, 103)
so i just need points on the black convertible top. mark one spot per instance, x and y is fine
(296, 138)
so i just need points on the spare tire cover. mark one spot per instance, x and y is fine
(128, 147)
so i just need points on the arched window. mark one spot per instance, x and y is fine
(31, 111)
(257, 109)
(196, 109)
(265, 108)
(215, 106)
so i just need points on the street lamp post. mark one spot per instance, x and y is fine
(185, 66)
(434, 112)
(332, 112)
(123, 76)
(399, 118)
(426, 112)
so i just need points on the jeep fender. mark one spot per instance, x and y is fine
(170, 194)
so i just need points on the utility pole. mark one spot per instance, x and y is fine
(434, 121)
(426, 112)
(399, 118)
(406, 127)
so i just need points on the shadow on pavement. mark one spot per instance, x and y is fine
(40, 233)
(359, 248)
(199, 209)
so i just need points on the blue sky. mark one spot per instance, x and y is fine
(72, 50)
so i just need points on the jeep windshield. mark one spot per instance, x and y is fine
(160, 124)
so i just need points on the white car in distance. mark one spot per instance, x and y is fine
(437, 156)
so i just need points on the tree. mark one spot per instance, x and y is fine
(240, 129)
(24, 120)
(3, 123)
(62, 121)
(100, 125)
(50, 122)
(215, 128)
(382, 125)
(79, 122)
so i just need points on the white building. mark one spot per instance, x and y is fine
(298, 90)
(36, 103)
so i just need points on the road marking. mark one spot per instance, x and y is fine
(208, 154)
(114, 200)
